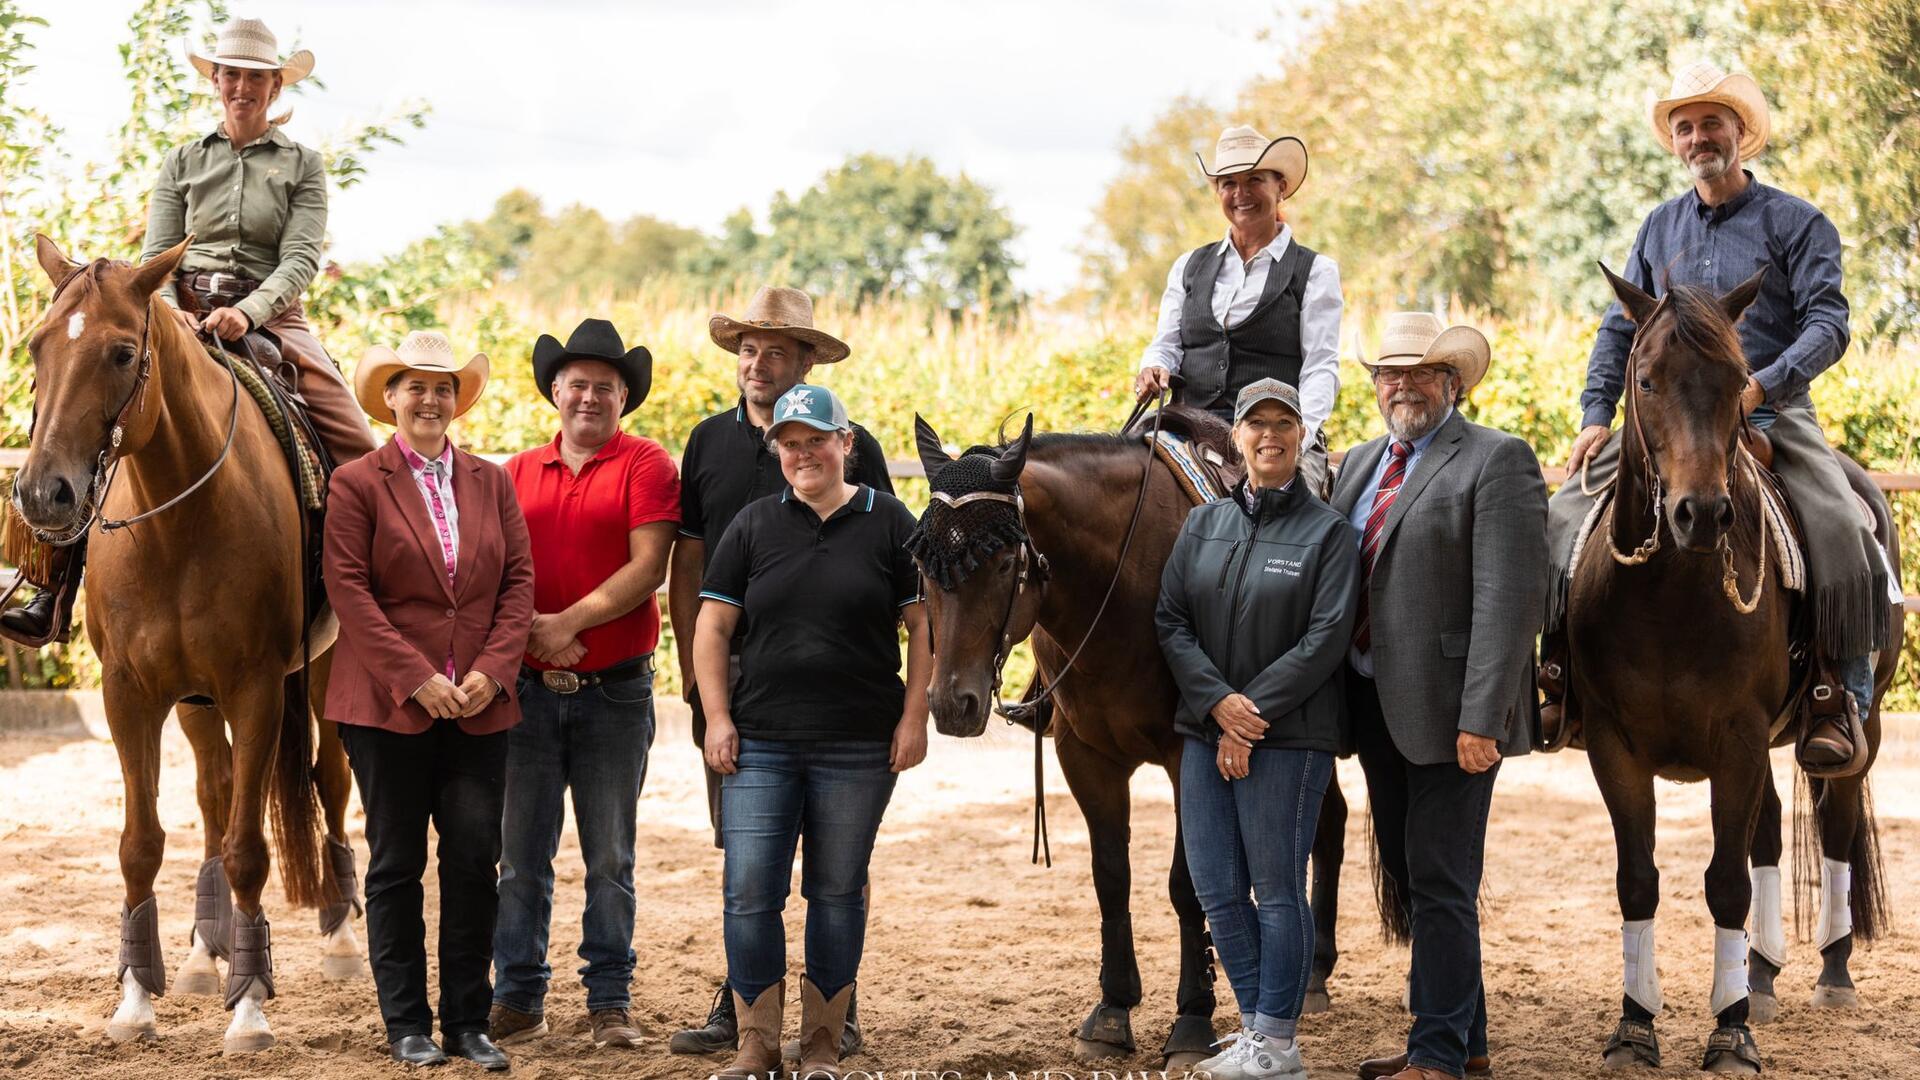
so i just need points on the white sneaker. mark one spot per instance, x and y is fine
(1261, 1058)
(1230, 1047)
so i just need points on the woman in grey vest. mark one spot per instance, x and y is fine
(1256, 305)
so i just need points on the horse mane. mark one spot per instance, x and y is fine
(1702, 325)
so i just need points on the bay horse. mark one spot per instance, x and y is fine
(202, 609)
(1679, 629)
(1024, 539)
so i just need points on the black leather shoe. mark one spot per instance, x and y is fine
(416, 1050)
(477, 1048)
(33, 623)
(719, 1034)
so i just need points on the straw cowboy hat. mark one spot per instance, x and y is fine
(247, 43)
(1242, 149)
(1416, 338)
(1705, 81)
(778, 310)
(594, 339)
(422, 350)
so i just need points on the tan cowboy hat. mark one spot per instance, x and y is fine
(1705, 81)
(422, 350)
(1242, 149)
(247, 43)
(1417, 338)
(778, 310)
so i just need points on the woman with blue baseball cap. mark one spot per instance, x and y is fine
(811, 735)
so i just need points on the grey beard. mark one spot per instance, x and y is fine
(1710, 168)
(1415, 427)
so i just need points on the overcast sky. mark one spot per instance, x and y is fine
(688, 111)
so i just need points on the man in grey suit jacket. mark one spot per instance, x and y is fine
(1452, 519)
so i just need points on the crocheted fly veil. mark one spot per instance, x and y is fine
(952, 541)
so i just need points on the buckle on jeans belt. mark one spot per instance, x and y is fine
(561, 682)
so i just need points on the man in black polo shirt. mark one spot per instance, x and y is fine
(726, 466)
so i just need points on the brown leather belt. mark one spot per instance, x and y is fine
(219, 288)
(572, 682)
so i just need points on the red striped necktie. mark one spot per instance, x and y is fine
(1383, 497)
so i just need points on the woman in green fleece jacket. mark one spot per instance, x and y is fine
(1256, 611)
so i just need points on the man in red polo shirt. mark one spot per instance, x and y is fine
(602, 507)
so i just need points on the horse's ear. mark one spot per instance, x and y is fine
(1735, 303)
(1633, 299)
(52, 259)
(1007, 466)
(150, 275)
(933, 455)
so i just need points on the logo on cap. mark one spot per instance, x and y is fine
(797, 402)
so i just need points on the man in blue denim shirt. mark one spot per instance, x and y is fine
(1716, 235)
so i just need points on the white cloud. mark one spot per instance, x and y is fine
(690, 111)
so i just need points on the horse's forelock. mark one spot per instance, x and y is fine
(1699, 323)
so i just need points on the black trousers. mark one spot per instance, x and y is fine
(456, 781)
(1430, 822)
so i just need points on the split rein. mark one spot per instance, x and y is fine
(1740, 462)
(107, 465)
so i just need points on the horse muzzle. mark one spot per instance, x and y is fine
(54, 503)
(959, 711)
(1701, 522)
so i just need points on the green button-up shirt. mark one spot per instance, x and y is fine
(260, 213)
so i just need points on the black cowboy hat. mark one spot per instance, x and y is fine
(594, 339)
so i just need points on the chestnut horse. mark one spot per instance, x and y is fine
(201, 606)
(1680, 630)
(1034, 556)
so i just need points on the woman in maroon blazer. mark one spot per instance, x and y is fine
(429, 571)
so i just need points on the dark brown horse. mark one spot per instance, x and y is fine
(1679, 629)
(202, 604)
(1034, 555)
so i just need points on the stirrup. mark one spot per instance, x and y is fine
(1853, 727)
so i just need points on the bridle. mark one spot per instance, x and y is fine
(106, 465)
(1738, 461)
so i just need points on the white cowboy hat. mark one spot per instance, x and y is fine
(1417, 338)
(1242, 149)
(422, 350)
(247, 43)
(1704, 80)
(778, 310)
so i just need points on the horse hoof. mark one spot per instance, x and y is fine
(1316, 1001)
(203, 983)
(1731, 1051)
(343, 968)
(136, 1032)
(1180, 1063)
(248, 1042)
(1633, 1045)
(1762, 1008)
(1835, 997)
(1088, 1050)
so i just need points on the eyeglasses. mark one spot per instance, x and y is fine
(1417, 376)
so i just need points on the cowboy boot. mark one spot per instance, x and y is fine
(1558, 725)
(822, 1023)
(759, 1020)
(48, 617)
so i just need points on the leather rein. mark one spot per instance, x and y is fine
(107, 465)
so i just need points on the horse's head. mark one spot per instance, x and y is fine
(87, 359)
(984, 580)
(1683, 381)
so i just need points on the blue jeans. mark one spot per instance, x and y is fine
(829, 796)
(595, 743)
(1247, 843)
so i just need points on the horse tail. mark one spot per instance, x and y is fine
(292, 795)
(1867, 898)
(1396, 912)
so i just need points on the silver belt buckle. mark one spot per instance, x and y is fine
(561, 682)
(221, 284)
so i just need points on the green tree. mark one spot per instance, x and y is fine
(1847, 132)
(879, 226)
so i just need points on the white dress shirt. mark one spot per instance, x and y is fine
(1236, 292)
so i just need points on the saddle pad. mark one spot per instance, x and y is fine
(306, 463)
(1787, 555)
(1181, 456)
